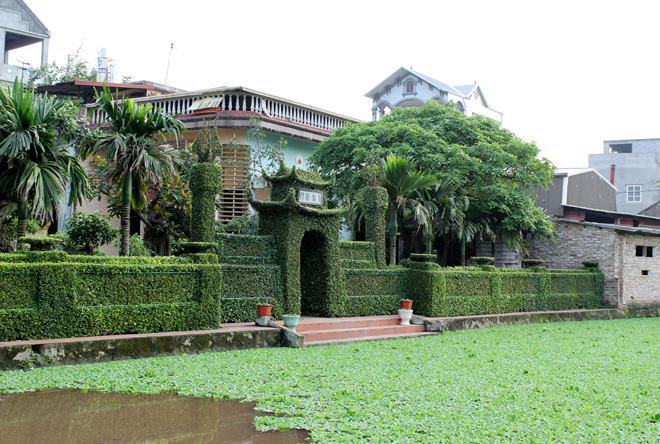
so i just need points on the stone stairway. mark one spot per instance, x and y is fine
(318, 331)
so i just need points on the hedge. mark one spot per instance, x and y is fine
(61, 256)
(438, 292)
(375, 202)
(52, 300)
(245, 286)
(357, 254)
(205, 184)
(373, 292)
(240, 248)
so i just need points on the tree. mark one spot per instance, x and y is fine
(73, 68)
(36, 163)
(134, 154)
(402, 182)
(489, 172)
(90, 231)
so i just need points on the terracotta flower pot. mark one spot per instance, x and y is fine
(264, 309)
(406, 304)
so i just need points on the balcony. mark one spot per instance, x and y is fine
(234, 105)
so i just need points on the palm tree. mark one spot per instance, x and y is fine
(133, 152)
(36, 165)
(403, 181)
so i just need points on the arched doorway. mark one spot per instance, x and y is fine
(313, 273)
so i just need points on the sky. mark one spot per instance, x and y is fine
(566, 74)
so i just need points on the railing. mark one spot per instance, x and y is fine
(178, 104)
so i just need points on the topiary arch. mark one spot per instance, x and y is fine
(305, 240)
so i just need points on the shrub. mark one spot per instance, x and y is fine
(423, 257)
(205, 184)
(41, 243)
(90, 231)
(136, 246)
(197, 247)
(533, 263)
(247, 224)
(590, 264)
(483, 260)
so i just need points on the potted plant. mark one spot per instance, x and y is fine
(264, 310)
(291, 321)
(406, 304)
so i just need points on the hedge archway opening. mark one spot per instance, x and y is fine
(313, 272)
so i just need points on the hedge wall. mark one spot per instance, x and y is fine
(355, 254)
(51, 300)
(373, 292)
(246, 249)
(244, 286)
(438, 292)
(61, 256)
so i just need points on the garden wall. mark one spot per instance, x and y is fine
(52, 300)
(373, 291)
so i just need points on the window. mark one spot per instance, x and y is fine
(621, 148)
(645, 272)
(644, 251)
(410, 87)
(633, 193)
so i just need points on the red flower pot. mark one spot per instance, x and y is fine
(264, 309)
(406, 304)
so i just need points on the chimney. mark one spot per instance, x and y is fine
(612, 170)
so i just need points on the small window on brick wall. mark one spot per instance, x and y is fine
(644, 251)
(645, 272)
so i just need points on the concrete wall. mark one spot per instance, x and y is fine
(589, 190)
(641, 167)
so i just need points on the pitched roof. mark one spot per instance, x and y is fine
(466, 89)
(402, 72)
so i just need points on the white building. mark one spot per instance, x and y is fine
(408, 88)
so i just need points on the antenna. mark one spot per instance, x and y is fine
(169, 58)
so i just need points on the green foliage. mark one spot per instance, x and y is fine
(197, 247)
(40, 243)
(590, 264)
(531, 263)
(70, 299)
(525, 383)
(477, 160)
(90, 231)
(75, 68)
(137, 248)
(205, 184)
(134, 156)
(440, 292)
(373, 292)
(423, 257)
(483, 260)
(375, 203)
(246, 224)
(246, 248)
(35, 161)
(305, 244)
(244, 286)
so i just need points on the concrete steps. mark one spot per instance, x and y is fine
(317, 331)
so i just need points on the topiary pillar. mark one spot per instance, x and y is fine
(375, 212)
(205, 184)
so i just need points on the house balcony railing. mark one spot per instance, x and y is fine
(239, 99)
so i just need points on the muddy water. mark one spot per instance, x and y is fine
(71, 416)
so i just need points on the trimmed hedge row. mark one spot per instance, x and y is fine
(52, 300)
(244, 286)
(458, 293)
(373, 292)
(240, 248)
(62, 256)
(357, 254)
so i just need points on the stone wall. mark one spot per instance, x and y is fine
(616, 253)
(637, 287)
(577, 243)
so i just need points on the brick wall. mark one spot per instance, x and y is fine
(577, 243)
(638, 288)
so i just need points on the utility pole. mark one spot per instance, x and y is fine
(169, 58)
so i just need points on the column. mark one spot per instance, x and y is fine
(3, 53)
(44, 52)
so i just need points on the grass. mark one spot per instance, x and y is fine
(592, 381)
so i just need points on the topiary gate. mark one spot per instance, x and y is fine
(305, 241)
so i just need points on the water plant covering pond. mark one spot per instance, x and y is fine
(591, 381)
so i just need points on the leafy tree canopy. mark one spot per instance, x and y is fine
(74, 68)
(474, 157)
